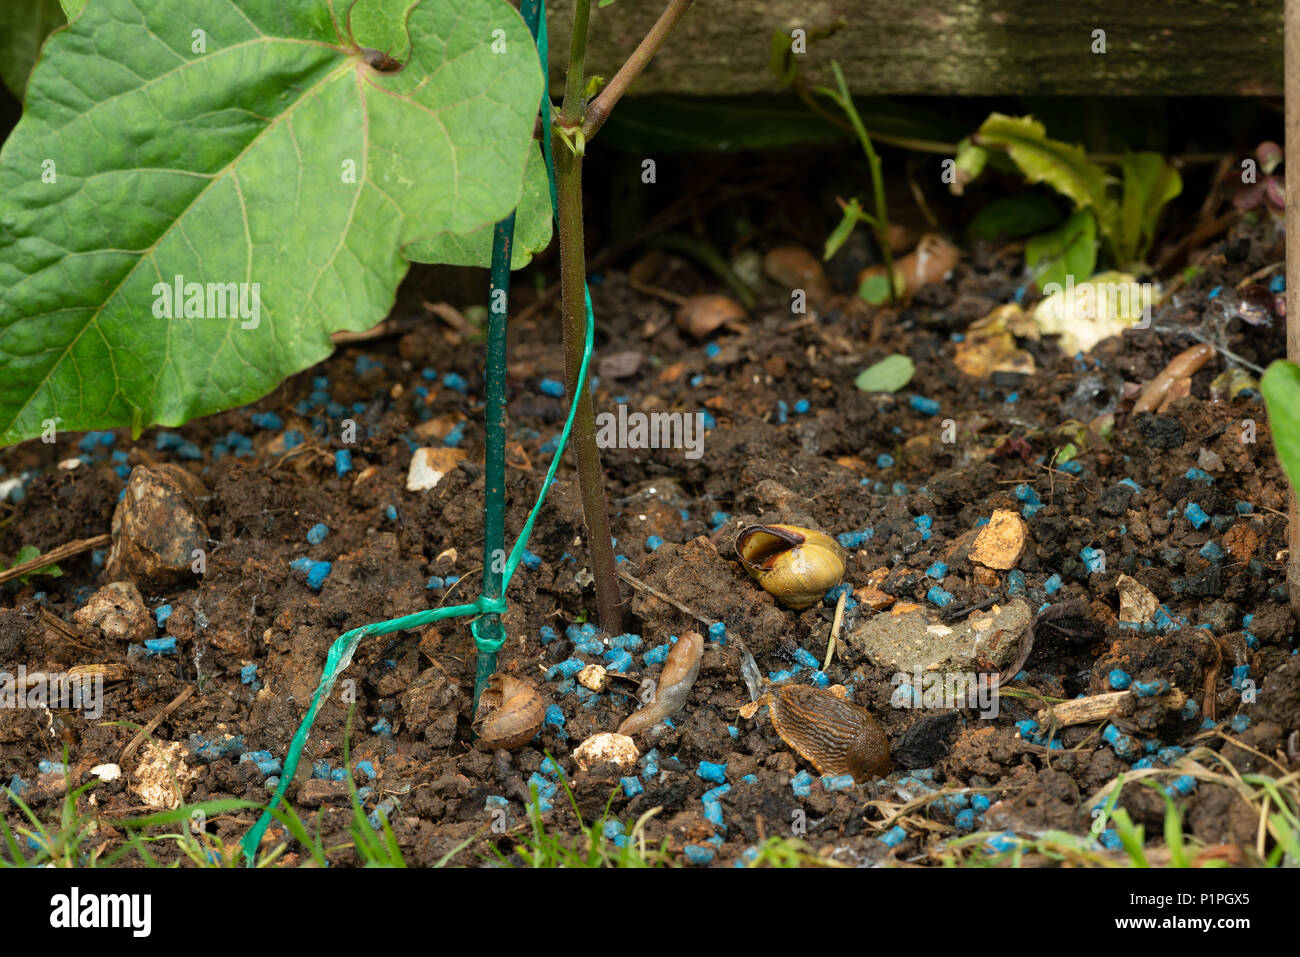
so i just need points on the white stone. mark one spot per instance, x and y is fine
(605, 748)
(429, 465)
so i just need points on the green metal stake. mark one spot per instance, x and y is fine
(489, 636)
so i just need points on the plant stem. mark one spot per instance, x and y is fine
(1292, 90)
(571, 110)
(568, 180)
(845, 100)
(600, 108)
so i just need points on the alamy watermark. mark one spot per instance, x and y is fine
(946, 689)
(214, 300)
(651, 430)
(53, 690)
(1099, 300)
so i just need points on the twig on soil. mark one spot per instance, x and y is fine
(157, 719)
(835, 629)
(638, 584)
(54, 555)
(1096, 707)
(1221, 349)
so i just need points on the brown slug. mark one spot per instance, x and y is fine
(510, 712)
(833, 735)
(675, 681)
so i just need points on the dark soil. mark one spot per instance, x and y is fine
(816, 468)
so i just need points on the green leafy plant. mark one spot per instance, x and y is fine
(1124, 220)
(176, 270)
(853, 211)
(26, 554)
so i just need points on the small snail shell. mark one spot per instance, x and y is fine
(675, 681)
(797, 566)
(510, 712)
(833, 735)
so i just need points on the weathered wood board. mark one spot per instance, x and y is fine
(950, 47)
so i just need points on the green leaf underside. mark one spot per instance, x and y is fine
(1062, 166)
(1068, 250)
(532, 228)
(1280, 385)
(888, 375)
(227, 167)
(1021, 214)
(1149, 184)
(24, 24)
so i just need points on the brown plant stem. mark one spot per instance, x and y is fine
(599, 109)
(591, 479)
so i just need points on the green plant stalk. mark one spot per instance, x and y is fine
(1292, 89)
(881, 225)
(573, 267)
(488, 633)
(571, 109)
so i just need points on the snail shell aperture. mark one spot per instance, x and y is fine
(835, 736)
(797, 566)
(510, 713)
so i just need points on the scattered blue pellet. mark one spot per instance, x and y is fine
(316, 571)
(707, 420)
(657, 655)
(924, 405)
(1094, 559)
(717, 773)
(713, 812)
(884, 461)
(1196, 515)
(1052, 585)
(316, 534)
(1239, 674)
(390, 513)
(965, 820)
(555, 716)
(806, 658)
(936, 570)
(718, 519)
(455, 381)
(382, 726)
(1071, 467)
(837, 782)
(161, 615)
(782, 412)
(551, 387)
(1119, 679)
(1212, 552)
(652, 542)
(159, 646)
(530, 561)
(1027, 494)
(46, 766)
(631, 786)
(801, 407)
(980, 803)
(566, 668)
(938, 596)
(718, 632)
(436, 582)
(366, 768)
(801, 783)
(820, 679)
(698, 854)
(924, 523)
(852, 540)
(267, 420)
(617, 659)
(1110, 840)
(893, 837)
(547, 634)
(1239, 723)
(248, 674)
(627, 641)
(1149, 689)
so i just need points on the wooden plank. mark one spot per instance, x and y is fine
(949, 47)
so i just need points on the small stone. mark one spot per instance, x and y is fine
(1137, 603)
(162, 778)
(1241, 541)
(615, 749)
(118, 611)
(702, 315)
(1001, 542)
(593, 677)
(874, 598)
(429, 465)
(794, 267)
(106, 772)
(919, 640)
(157, 527)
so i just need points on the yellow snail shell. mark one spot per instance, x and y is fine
(510, 713)
(797, 566)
